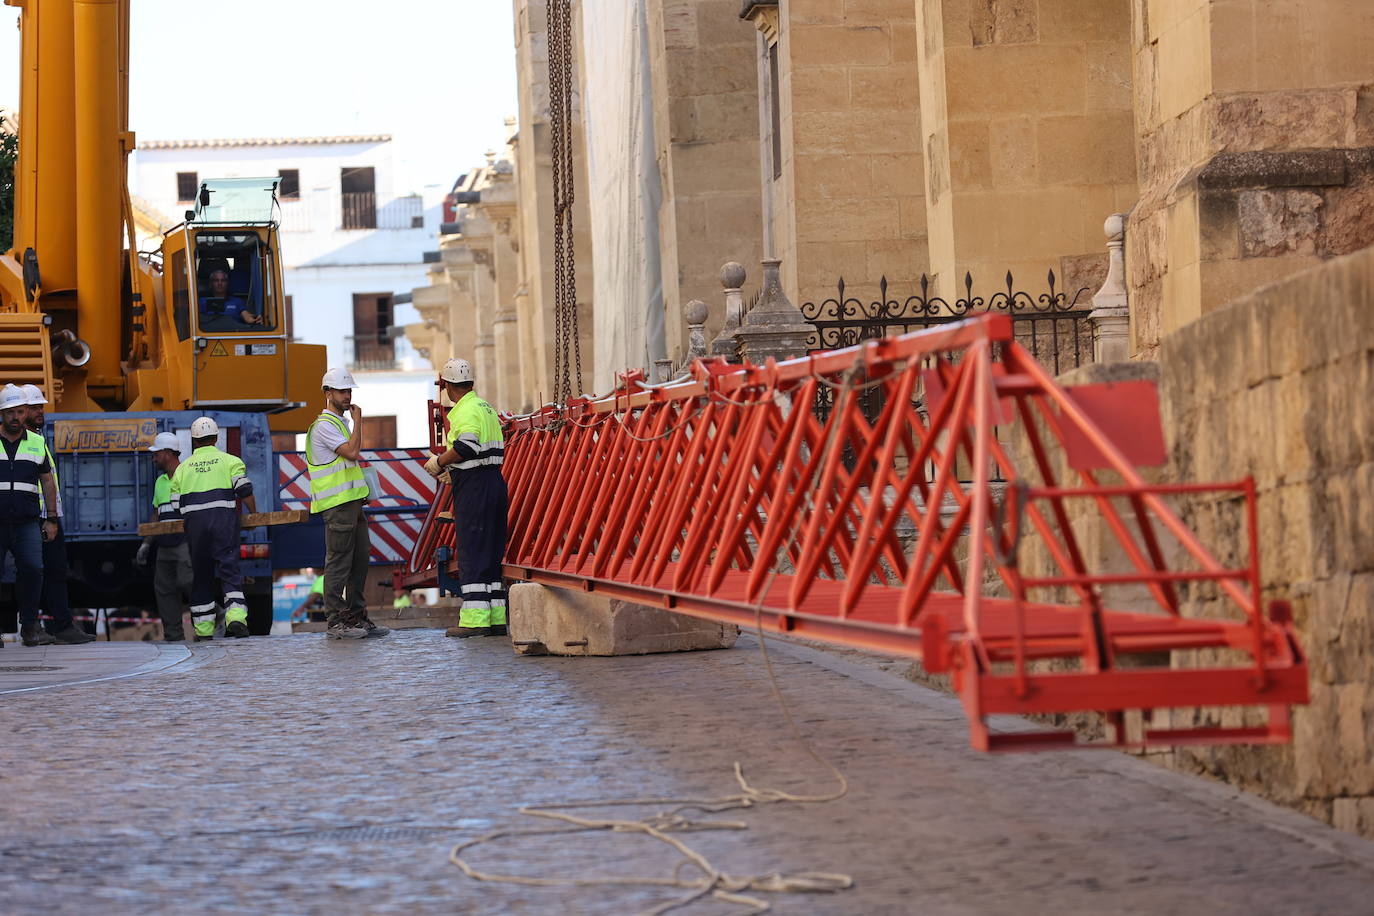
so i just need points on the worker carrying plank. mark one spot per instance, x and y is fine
(172, 575)
(207, 489)
(473, 459)
(339, 491)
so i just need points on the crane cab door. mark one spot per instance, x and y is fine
(239, 320)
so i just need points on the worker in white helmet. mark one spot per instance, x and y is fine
(55, 602)
(25, 472)
(473, 463)
(172, 576)
(339, 491)
(208, 490)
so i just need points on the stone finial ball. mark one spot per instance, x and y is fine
(1115, 225)
(732, 275)
(695, 312)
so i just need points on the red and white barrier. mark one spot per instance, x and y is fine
(406, 489)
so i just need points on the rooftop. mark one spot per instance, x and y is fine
(265, 141)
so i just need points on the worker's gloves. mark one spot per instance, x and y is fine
(432, 466)
(141, 558)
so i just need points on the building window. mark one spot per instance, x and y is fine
(379, 432)
(290, 186)
(775, 109)
(187, 185)
(358, 187)
(373, 347)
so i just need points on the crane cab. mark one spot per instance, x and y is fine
(222, 288)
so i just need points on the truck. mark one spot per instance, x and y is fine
(127, 343)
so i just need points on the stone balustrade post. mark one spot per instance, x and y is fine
(774, 327)
(726, 343)
(695, 313)
(1110, 315)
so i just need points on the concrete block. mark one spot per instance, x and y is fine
(548, 620)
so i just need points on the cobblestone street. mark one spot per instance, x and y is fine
(299, 775)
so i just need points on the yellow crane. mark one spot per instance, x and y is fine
(82, 312)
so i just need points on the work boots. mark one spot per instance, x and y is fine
(237, 630)
(467, 632)
(35, 636)
(374, 629)
(343, 631)
(73, 635)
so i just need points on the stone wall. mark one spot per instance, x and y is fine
(848, 199)
(1277, 386)
(707, 131)
(1027, 126)
(1232, 100)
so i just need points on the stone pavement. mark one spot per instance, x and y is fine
(299, 775)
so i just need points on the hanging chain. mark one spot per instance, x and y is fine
(566, 333)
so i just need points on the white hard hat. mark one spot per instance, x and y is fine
(169, 440)
(339, 380)
(457, 371)
(35, 395)
(13, 396)
(204, 428)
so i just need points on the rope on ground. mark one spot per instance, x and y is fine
(710, 880)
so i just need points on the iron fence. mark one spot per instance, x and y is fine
(1053, 325)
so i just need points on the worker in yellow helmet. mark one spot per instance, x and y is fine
(208, 489)
(473, 461)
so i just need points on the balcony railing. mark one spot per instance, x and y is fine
(360, 210)
(370, 353)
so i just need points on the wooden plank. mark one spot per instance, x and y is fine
(251, 520)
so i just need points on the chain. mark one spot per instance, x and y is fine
(566, 334)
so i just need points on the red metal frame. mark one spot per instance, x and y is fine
(728, 497)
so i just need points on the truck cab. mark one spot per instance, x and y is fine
(223, 296)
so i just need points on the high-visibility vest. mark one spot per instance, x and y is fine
(20, 477)
(209, 481)
(336, 482)
(56, 483)
(474, 423)
(165, 510)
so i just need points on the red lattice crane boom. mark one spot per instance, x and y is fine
(741, 496)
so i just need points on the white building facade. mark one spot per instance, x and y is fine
(353, 247)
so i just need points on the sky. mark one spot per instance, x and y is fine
(438, 75)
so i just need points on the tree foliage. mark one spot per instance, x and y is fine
(9, 155)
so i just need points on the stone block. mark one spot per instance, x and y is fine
(865, 45)
(970, 164)
(1013, 152)
(891, 88)
(1109, 77)
(819, 89)
(1003, 22)
(1276, 222)
(1354, 815)
(1086, 20)
(898, 175)
(993, 81)
(1087, 149)
(548, 619)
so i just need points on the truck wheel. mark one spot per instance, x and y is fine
(259, 613)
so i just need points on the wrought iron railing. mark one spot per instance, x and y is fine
(1052, 325)
(370, 353)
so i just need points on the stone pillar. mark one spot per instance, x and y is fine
(1110, 316)
(506, 334)
(726, 343)
(775, 327)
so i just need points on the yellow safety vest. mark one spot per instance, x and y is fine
(475, 425)
(336, 482)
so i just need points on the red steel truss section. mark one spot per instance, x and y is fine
(732, 497)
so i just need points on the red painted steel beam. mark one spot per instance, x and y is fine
(736, 496)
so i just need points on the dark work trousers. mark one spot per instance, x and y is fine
(479, 523)
(347, 552)
(24, 542)
(55, 602)
(213, 536)
(172, 586)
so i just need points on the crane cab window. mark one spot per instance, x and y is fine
(234, 283)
